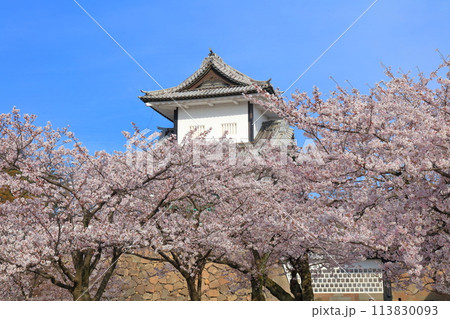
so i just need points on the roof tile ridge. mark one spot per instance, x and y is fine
(157, 92)
(226, 69)
(190, 79)
(212, 60)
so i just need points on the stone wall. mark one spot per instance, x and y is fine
(142, 279)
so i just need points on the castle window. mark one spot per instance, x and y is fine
(199, 129)
(230, 128)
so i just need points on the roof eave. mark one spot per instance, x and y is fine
(213, 61)
(160, 98)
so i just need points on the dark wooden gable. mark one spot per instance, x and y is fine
(212, 79)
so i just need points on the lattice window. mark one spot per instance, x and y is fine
(357, 280)
(351, 280)
(199, 129)
(231, 128)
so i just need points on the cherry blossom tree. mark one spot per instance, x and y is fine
(280, 218)
(69, 215)
(232, 213)
(248, 216)
(388, 153)
(227, 202)
(188, 221)
(375, 185)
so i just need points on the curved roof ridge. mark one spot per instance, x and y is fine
(211, 61)
(229, 70)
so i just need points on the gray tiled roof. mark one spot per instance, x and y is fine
(275, 130)
(191, 94)
(242, 83)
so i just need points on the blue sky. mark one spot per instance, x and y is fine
(56, 63)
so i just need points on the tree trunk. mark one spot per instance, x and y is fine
(195, 294)
(295, 287)
(305, 275)
(276, 290)
(257, 280)
(194, 283)
(81, 293)
(257, 283)
(108, 274)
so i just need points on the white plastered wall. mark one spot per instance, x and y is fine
(259, 118)
(213, 117)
